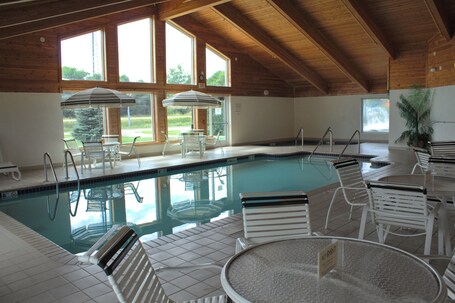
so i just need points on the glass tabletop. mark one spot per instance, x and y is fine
(287, 271)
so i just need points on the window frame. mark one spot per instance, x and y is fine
(228, 65)
(193, 56)
(152, 51)
(362, 115)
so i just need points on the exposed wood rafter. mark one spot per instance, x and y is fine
(361, 15)
(56, 14)
(439, 16)
(174, 9)
(232, 15)
(288, 11)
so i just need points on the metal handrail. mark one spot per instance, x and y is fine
(330, 132)
(349, 142)
(47, 156)
(67, 152)
(296, 137)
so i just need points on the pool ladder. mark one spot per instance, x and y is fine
(349, 142)
(47, 157)
(298, 135)
(327, 132)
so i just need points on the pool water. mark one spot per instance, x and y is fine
(162, 205)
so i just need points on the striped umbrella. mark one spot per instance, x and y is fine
(98, 97)
(192, 99)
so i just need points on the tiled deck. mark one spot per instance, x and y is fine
(32, 269)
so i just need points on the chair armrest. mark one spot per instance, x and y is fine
(195, 266)
(240, 244)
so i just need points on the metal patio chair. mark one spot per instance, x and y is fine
(129, 271)
(127, 150)
(401, 206)
(442, 149)
(94, 151)
(352, 185)
(422, 156)
(269, 216)
(193, 142)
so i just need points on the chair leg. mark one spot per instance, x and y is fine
(363, 222)
(429, 234)
(330, 207)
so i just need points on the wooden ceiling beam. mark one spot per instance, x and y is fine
(288, 11)
(233, 16)
(359, 12)
(55, 14)
(438, 13)
(173, 9)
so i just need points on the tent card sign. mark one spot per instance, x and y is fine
(327, 259)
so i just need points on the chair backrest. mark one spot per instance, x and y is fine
(443, 149)
(350, 175)
(133, 145)
(398, 204)
(442, 167)
(93, 149)
(127, 266)
(72, 146)
(213, 141)
(449, 278)
(192, 141)
(422, 156)
(271, 216)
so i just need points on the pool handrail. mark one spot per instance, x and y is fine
(349, 142)
(297, 137)
(328, 131)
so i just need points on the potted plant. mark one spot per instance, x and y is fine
(415, 108)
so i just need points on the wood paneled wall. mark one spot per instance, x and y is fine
(441, 62)
(408, 69)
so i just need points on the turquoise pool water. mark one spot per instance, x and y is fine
(166, 204)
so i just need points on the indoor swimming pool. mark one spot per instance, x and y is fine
(163, 204)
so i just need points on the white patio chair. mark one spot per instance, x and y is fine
(8, 168)
(214, 142)
(94, 151)
(443, 149)
(441, 167)
(449, 273)
(72, 146)
(400, 206)
(352, 185)
(128, 268)
(269, 216)
(422, 156)
(128, 150)
(193, 142)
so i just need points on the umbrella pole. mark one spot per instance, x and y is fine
(192, 117)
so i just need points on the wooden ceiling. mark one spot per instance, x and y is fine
(310, 44)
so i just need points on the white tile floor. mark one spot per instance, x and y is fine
(32, 269)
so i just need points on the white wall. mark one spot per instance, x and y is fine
(442, 115)
(341, 113)
(256, 119)
(30, 125)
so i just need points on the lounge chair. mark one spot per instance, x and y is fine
(128, 268)
(7, 167)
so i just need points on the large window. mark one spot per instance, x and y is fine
(179, 56)
(135, 51)
(138, 120)
(375, 115)
(217, 68)
(83, 57)
(179, 120)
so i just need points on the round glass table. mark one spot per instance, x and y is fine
(287, 271)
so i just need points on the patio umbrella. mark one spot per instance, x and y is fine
(98, 97)
(192, 99)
